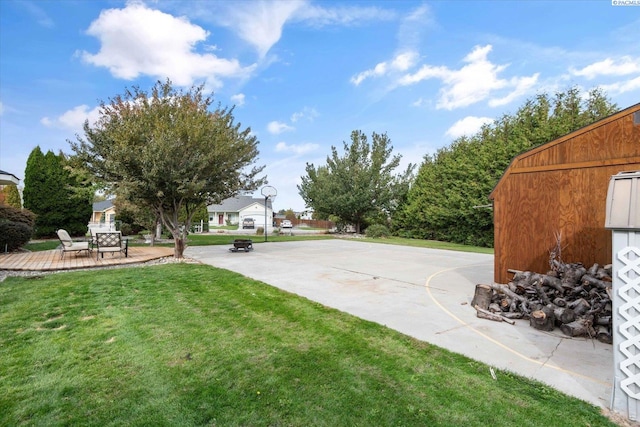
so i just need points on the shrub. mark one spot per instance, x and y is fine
(377, 230)
(260, 231)
(14, 235)
(24, 216)
(126, 229)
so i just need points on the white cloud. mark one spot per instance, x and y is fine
(353, 15)
(472, 83)
(522, 85)
(609, 67)
(260, 23)
(73, 119)
(467, 126)
(137, 40)
(306, 113)
(276, 127)
(297, 149)
(37, 13)
(413, 26)
(400, 63)
(238, 99)
(622, 87)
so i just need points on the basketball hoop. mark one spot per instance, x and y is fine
(268, 192)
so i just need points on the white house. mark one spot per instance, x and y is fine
(235, 210)
(7, 178)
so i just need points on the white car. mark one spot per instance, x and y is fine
(286, 224)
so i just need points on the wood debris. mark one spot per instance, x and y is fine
(569, 296)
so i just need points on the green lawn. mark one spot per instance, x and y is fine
(192, 345)
(226, 239)
(432, 244)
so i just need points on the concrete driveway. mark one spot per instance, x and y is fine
(424, 293)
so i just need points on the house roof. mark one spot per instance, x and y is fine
(236, 204)
(7, 178)
(103, 205)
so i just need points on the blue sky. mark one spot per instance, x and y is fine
(304, 74)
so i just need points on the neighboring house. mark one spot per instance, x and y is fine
(235, 209)
(308, 214)
(7, 178)
(104, 215)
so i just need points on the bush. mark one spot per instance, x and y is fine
(14, 235)
(24, 216)
(126, 229)
(260, 231)
(377, 230)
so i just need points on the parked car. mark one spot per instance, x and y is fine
(248, 223)
(286, 224)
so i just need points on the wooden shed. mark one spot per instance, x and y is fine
(561, 187)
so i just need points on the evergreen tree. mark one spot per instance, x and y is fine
(49, 192)
(449, 198)
(12, 196)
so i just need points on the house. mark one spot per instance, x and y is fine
(104, 215)
(7, 178)
(235, 210)
(560, 189)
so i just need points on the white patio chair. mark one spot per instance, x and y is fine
(68, 245)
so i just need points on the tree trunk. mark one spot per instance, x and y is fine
(158, 230)
(580, 306)
(178, 249)
(564, 315)
(603, 334)
(577, 328)
(543, 320)
(482, 297)
(484, 314)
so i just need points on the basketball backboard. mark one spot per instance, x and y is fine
(269, 191)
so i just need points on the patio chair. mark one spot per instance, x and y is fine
(68, 245)
(111, 242)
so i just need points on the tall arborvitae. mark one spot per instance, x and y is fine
(49, 193)
(448, 200)
(36, 186)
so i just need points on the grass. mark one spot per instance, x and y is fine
(432, 244)
(191, 345)
(193, 240)
(226, 239)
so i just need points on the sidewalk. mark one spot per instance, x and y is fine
(424, 293)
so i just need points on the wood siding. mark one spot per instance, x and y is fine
(561, 187)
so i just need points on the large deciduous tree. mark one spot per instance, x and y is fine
(167, 151)
(358, 186)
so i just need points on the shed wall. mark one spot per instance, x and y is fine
(561, 187)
